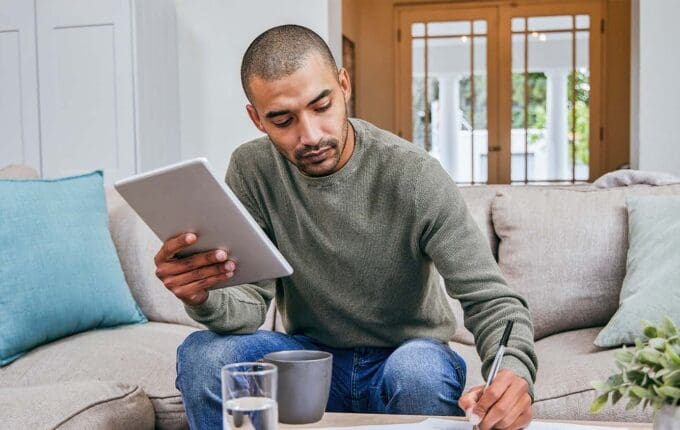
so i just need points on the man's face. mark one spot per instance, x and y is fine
(305, 116)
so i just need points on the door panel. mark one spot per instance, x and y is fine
(20, 143)
(86, 87)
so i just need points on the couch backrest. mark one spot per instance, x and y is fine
(563, 249)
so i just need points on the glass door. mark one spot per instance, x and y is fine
(446, 87)
(554, 125)
(507, 93)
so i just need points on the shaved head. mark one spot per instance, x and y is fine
(281, 51)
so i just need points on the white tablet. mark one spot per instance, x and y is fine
(187, 198)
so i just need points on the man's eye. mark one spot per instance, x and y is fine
(323, 108)
(284, 123)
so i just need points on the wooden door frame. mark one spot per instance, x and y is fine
(499, 66)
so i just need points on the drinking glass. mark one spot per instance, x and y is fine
(249, 396)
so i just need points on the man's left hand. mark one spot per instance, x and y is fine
(506, 404)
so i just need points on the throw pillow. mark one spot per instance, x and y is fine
(59, 272)
(564, 251)
(651, 288)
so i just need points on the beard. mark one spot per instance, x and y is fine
(330, 144)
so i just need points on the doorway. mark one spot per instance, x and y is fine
(503, 93)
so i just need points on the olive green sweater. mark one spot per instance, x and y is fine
(364, 243)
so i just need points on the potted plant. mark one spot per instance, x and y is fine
(648, 374)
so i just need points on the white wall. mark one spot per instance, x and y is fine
(655, 95)
(212, 36)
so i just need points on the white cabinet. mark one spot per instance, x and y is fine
(104, 74)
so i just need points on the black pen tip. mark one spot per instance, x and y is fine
(506, 333)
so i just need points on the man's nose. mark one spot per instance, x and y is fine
(309, 131)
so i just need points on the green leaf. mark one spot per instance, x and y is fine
(645, 404)
(672, 378)
(649, 330)
(663, 372)
(651, 356)
(633, 402)
(669, 327)
(599, 403)
(642, 392)
(615, 380)
(600, 386)
(670, 351)
(616, 396)
(668, 391)
(635, 377)
(623, 356)
(657, 343)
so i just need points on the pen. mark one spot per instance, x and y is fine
(495, 367)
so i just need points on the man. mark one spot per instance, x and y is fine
(363, 217)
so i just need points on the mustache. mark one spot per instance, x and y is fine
(323, 144)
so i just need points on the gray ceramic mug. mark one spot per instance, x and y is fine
(304, 384)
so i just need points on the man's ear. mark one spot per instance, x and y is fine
(345, 84)
(254, 117)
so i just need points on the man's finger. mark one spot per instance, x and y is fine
(492, 394)
(514, 401)
(522, 421)
(192, 263)
(202, 272)
(187, 291)
(468, 400)
(521, 407)
(173, 245)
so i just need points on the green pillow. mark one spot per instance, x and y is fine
(59, 271)
(651, 288)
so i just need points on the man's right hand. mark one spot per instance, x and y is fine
(188, 278)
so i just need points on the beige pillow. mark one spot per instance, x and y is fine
(15, 171)
(565, 251)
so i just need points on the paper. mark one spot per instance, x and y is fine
(440, 424)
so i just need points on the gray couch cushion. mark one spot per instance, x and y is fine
(137, 245)
(567, 363)
(565, 251)
(140, 354)
(76, 405)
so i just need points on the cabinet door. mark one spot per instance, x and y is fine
(19, 135)
(85, 74)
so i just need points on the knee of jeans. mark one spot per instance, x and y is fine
(425, 363)
(203, 353)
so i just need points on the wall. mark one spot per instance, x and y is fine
(656, 108)
(375, 71)
(212, 37)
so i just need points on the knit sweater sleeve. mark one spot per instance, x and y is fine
(450, 237)
(240, 309)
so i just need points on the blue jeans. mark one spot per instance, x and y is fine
(420, 377)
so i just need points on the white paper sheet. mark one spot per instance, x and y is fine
(440, 424)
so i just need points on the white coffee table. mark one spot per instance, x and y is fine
(348, 420)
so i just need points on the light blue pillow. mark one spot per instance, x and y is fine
(59, 271)
(651, 288)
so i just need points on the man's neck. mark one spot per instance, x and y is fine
(348, 148)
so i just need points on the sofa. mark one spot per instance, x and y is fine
(563, 247)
